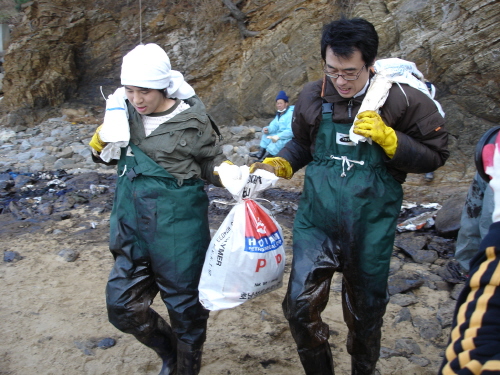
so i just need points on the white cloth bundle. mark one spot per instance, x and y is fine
(115, 130)
(387, 72)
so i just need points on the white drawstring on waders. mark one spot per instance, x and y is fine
(124, 171)
(347, 161)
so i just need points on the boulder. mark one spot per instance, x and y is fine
(447, 220)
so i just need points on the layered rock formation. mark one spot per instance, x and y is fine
(65, 50)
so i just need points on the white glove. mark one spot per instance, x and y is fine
(273, 138)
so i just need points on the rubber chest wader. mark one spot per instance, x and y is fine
(345, 222)
(159, 234)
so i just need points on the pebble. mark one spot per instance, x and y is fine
(68, 255)
(404, 315)
(264, 315)
(403, 299)
(106, 343)
(428, 328)
(86, 346)
(388, 352)
(407, 346)
(404, 281)
(58, 144)
(414, 247)
(445, 313)
(422, 362)
(457, 289)
(52, 145)
(11, 256)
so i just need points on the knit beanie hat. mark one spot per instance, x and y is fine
(148, 66)
(282, 95)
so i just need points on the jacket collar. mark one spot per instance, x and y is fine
(331, 95)
(187, 118)
(279, 114)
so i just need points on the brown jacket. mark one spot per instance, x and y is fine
(422, 139)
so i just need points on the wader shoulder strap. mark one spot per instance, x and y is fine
(327, 107)
(327, 111)
(134, 172)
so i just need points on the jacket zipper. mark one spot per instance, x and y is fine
(349, 108)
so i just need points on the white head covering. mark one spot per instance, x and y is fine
(148, 66)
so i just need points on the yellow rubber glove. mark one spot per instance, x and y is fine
(274, 138)
(279, 166)
(96, 142)
(369, 124)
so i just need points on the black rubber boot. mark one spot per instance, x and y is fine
(362, 367)
(188, 359)
(266, 155)
(163, 341)
(317, 361)
(258, 154)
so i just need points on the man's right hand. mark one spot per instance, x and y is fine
(277, 165)
(96, 143)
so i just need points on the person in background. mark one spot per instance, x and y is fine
(474, 346)
(352, 193)
(279, 131)
(159, 230)
(474, 222)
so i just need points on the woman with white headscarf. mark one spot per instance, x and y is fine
(165, 143)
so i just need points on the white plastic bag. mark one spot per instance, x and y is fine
(387, 72)
(246, 257)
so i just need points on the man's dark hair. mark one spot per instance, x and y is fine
(346, 35)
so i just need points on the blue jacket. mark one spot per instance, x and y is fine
(282, 127)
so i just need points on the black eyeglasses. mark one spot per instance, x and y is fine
(347, 76)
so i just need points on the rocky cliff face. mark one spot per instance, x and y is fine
(64, 50)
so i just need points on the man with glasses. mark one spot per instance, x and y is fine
(352, 193)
